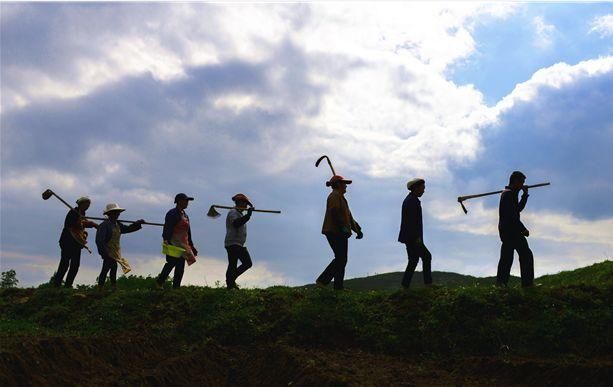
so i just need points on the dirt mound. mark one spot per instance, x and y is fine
(137, 360)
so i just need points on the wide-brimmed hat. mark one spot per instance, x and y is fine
(241, 197)
(414, 181)
(83, 199)
(182, 196)
(337, 178)
(113, 207)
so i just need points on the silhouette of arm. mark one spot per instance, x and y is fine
(523, 202)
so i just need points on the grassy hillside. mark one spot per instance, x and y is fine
(598, 274)
(570, 317)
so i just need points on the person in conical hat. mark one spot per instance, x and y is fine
(236, 237)
(72, 240)
(412, 233)
(108, 243)
(337, 226)
(177, 232)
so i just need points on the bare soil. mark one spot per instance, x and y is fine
(135, 360)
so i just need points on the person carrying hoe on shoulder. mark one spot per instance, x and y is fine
(338, 223)
(236, 236)
(72, 240)
(513, 233)
(177, 232)
(108, 243)
(412, 233)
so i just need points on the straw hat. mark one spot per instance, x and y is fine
(113, 207)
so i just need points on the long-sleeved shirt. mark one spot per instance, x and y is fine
(509, 223)
(236, 228)
(338, 216)
(170, 221)
(105, 232)
(411, 223)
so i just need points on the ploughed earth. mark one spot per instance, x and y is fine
(133, 359)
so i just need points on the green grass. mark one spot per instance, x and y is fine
(570, 315)
(598, 274)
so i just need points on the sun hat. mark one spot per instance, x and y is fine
(337, 178)
(414, 181)
(113, 207)
(241, 197)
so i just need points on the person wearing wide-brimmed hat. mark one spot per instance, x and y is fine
(338, 223)
(108, 243)
(236, 236)
(412, 233)
(177, 232)
(513, 233)
(72, 240)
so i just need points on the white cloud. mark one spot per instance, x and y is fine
(602, 25)
(556, 76)
(545, 225)
(544, 33)
(28, 184)
(391, 103)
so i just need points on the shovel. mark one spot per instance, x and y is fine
(462, 198)
(48, 193)
(213, 213)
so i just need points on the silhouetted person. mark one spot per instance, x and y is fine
(177, 232)
(513, 233)
(338, 223)
(412, 233)
(236, 236)
(108, 243)
(72, 240)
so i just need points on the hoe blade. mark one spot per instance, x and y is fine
(47, 194)
(213, 213)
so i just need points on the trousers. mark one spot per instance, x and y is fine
(413, 254)
(108, 265)
(172, 263)
(336, 269)
(237, 253)
(70, 261)
(511, 244)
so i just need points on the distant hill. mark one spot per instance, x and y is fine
(391, 281)
(598, 274)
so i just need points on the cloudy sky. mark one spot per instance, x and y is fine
(132, 103)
